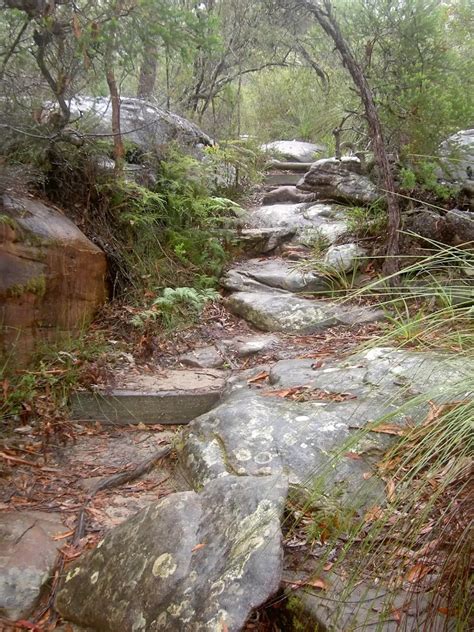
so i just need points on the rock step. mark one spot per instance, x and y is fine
(282, 179)
(300, 167)
(175, 398)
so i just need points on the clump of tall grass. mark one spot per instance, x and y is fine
(413, 545)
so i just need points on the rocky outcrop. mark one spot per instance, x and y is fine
(52, 276)
(294, 150)
(344, 258)
(256, 275)
(339, 180)
(192, 562)
(151, 128)
(454, 227)
(457, 156)
(28, 553)
(289, 313)
(312, 220)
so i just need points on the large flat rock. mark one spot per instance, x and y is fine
(255, 435)
(288, 313)
(383, 372)
(174, 397)
(257, 275)
(192, 562)
(328, 218)
(28, 554)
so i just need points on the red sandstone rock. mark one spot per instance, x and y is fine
(52, 277)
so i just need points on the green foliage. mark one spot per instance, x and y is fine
(175, 306)
(367, 221)
(235, 166)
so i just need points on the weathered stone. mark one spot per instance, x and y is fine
(282, 179)
(294, 150)
(142, 123)
(336, 180)
(457, 156)
(383, 372)
(310, 222)
(173, 398)
(257, 275)
(454, 227)
(262, 240)
(27, 557)
(203, 358)
(192, 562)
(344, 258)
(364, 605)
(292, 314)
(252, 435)
(253, 344)
(52, 278)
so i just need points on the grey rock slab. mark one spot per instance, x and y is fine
(145, 124)
(203, 358)
(282, 179)
(190, 563)
(256, 435)
(344, 258)
(337, 180)
(262, 240)
(390, 375)
(274, 273)
(292, 314)
(364, 605)
(295, 216)
(175, 397)
(457, 156)
(245, 347)
(27, 557)
(294, 150)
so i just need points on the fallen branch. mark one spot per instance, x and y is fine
(110, 482)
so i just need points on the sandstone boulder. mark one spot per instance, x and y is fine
(296, 150)
(52, 277)
(457, 156)
(192, 562)
(28, 553)
(339, 180)
(142, 123)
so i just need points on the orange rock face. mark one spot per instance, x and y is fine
(52, 277)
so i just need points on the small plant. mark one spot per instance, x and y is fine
(175, 306)
(366, 221)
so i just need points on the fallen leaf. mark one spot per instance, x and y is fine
(258, 378)
(391, 429)
(367, 475)
(198, 547)
(390, 489)
(373, 513)
(417, 572)
(355, 456)
(328, 566)
(62, 536)
(318, 582)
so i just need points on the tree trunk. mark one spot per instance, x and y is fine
(322, 12)
(119, 150)
(147, 79)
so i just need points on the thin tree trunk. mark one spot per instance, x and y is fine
(119, 150)
(147, 79)
(328, 23)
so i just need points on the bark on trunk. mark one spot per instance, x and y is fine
(322, 12)
(147, 78)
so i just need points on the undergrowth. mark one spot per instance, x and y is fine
(412, 546)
